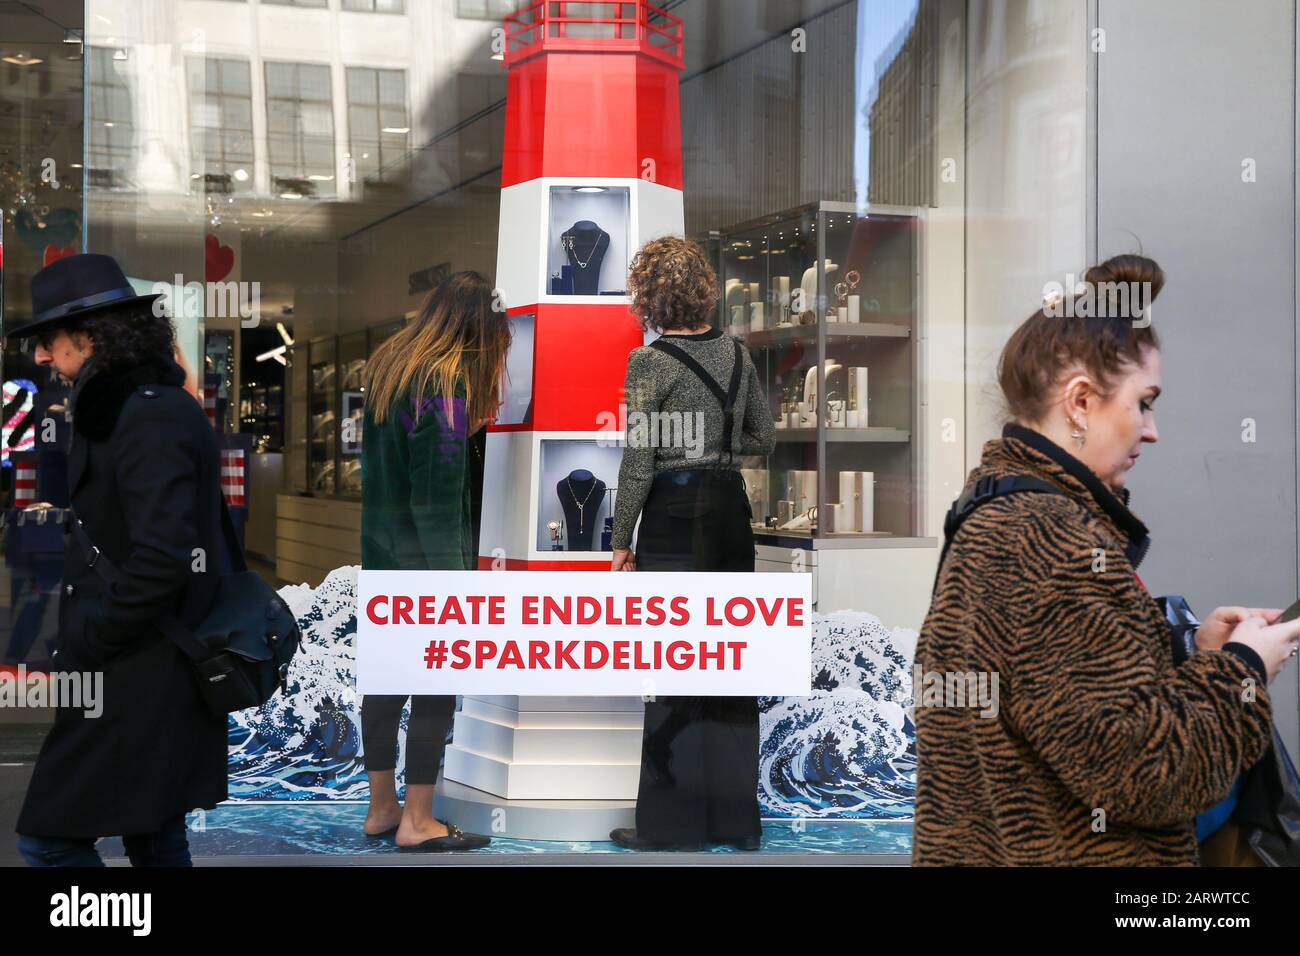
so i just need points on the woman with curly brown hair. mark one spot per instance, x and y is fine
(694, 404)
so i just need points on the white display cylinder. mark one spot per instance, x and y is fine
(858, 398)
(857, 495)
(855, 308)
(756, 316)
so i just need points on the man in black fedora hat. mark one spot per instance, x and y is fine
(143, 474)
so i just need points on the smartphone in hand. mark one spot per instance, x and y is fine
(1290, 614)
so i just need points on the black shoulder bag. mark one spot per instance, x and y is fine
(241, 649)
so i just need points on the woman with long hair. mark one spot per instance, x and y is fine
(1097, 746)
(429, 389)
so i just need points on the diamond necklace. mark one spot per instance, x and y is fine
(568, 481)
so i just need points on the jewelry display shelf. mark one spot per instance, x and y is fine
(784, 335)
(834, 433)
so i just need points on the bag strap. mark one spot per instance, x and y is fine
(726, 399)
(985, 490)
(175, 631)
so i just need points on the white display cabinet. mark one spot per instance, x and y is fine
(828, 301)
(587, 240)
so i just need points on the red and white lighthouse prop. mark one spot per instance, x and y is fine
(592, 169)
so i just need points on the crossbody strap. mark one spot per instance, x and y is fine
(726, 399)
(167, 622)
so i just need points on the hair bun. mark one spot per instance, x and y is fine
(1128, 269)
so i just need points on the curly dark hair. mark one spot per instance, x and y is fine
(129, 335)
(673, 285)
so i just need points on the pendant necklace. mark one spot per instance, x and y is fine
(581, 503)
(572, 242)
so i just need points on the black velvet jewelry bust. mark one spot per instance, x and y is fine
(580, 494)
(585, 245)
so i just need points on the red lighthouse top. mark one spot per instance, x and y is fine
(637, 26)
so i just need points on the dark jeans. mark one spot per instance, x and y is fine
(168, 847)
(426, 733)
(699, 755)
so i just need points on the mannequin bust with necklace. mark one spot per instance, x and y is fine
(585, 245)
(581, 494)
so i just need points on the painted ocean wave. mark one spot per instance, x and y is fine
(848, 751)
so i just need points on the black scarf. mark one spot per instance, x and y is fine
(1112, 503)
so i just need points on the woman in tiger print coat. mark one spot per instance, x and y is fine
(1101, 750)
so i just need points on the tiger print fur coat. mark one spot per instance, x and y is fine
(1100, 750)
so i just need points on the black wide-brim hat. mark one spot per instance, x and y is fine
(74, 286)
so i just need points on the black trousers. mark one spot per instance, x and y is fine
(426, 733)
(699, 755)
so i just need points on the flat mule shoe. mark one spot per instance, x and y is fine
(456, 839)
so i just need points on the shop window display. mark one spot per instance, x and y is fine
(588, 253)
(576, 488)
(517, 403)
(827, 301)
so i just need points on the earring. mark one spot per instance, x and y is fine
(1078, 433)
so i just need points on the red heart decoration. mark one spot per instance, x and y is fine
(218, 260)
(53, 253)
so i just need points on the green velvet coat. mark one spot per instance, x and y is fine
(416, 480)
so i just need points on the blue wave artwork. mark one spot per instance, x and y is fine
(846, 752)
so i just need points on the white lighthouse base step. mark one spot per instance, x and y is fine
(572, 780)
(573, 821)
(558, 745)
(605, 719)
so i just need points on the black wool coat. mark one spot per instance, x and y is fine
(144, 475)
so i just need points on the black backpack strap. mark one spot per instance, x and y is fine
(984, 490)
(726, 399)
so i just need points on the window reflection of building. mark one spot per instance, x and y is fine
(221, 126)
(109, 143)
(486, 9)
(298, 3)
(901, 118)
(378, 128)
(300, 129)
(375, 6)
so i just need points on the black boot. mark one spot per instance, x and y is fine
(627, 838)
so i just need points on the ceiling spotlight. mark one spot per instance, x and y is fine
(589, 189)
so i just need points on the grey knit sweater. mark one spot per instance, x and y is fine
(674, 421)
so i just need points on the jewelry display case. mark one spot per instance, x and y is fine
(576, 486)
(332, 399)
(322, 420)
(588, 240)
(828, 302)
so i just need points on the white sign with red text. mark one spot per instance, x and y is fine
(566, 633)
